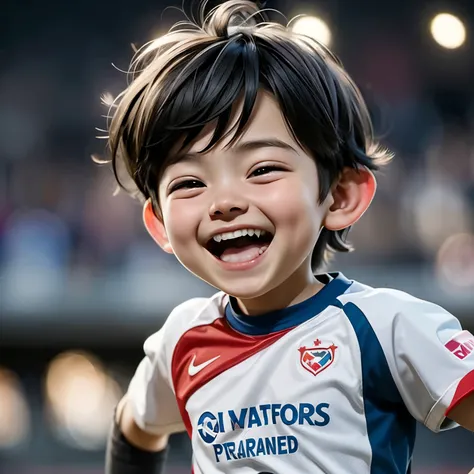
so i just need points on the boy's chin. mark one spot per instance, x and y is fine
(245, 291)
(244, 286)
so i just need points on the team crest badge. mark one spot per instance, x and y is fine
(318, 358)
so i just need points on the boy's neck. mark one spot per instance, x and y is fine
(299, 287)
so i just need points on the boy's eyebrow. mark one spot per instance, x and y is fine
(252, 145)
(241, 146)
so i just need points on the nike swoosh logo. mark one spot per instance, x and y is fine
(195, 369)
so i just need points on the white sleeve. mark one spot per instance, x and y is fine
(426, 350)
(151, 392)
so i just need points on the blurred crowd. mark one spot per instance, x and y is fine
(59, 214)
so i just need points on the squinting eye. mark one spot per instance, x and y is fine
(265, 170)
(189, 184)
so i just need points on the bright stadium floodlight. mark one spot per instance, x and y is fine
(314, 27)
(448, 31)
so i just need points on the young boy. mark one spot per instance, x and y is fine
(254, 152)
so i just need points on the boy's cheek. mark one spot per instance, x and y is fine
(295, 213)
(181, 219)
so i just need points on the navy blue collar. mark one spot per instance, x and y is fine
(293, 315)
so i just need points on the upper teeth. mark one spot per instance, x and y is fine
(238, 233)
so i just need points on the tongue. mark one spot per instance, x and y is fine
(243, 254)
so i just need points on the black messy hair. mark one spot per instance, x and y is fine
(193, 76)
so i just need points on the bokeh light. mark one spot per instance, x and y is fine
(15, 418)
(314, 27)
(438, 210)
(455, 262)
(81, 398)
(448, 31)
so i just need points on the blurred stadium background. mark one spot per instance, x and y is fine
(82, 285)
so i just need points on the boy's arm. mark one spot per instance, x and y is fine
(134, 434)
(430, 357)
(149, 412)
(463, 412)
(131, 450)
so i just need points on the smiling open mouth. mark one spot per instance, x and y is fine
(239, 246)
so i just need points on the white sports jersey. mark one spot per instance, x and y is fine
(331, 385)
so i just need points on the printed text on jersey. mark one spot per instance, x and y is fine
(245, 424)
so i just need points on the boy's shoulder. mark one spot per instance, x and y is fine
(195, 312)
(373, 302)
(385, 300)
(384, 309)
(388, 311)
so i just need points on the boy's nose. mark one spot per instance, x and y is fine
(227, 207)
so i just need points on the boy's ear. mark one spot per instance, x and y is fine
(155, 227)
(350, 198)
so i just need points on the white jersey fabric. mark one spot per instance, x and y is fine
(331, 385)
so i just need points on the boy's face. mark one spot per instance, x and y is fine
(264, 182)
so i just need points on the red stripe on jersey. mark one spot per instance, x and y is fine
(199, 345)
(465, 388)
